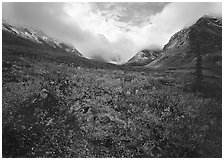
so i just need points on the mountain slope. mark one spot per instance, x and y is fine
(38, 38)
(178, 52)
(143, 57)
(25, 42)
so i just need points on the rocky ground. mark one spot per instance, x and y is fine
(55, 110)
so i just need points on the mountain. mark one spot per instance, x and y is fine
(115, 60)
(143, 57)
(179, 51)
(35, 46)
(38, 37)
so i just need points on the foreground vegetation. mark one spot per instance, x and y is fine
(54, 109)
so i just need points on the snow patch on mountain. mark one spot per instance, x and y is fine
(38, 37)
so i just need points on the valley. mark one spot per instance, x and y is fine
(57, 104)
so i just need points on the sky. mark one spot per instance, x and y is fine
(112, 30)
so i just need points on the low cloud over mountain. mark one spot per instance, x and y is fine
(128, 27)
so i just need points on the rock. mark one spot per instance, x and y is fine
(44, 93)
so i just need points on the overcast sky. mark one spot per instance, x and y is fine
(110, 29)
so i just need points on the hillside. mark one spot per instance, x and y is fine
(34, 44)
(178, 52)
(36, 37)
(143, 57)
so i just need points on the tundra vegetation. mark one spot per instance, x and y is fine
(51, 108)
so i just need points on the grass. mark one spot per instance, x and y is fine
(54, 109)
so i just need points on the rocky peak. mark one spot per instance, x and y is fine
(179, 50)
(143, 57)
(205, 25)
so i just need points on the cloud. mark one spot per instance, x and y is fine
(174, 17)
(134, 13)
(50, 17)
(127, 27)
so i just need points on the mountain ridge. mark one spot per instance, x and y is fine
(143, 57)
(39, 37)
(17, 43)
(178, 52)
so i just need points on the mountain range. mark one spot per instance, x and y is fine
(36, 43)
(56, 103)
(179, 51)
(38, 37)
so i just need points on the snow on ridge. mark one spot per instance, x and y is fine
(38, 36)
